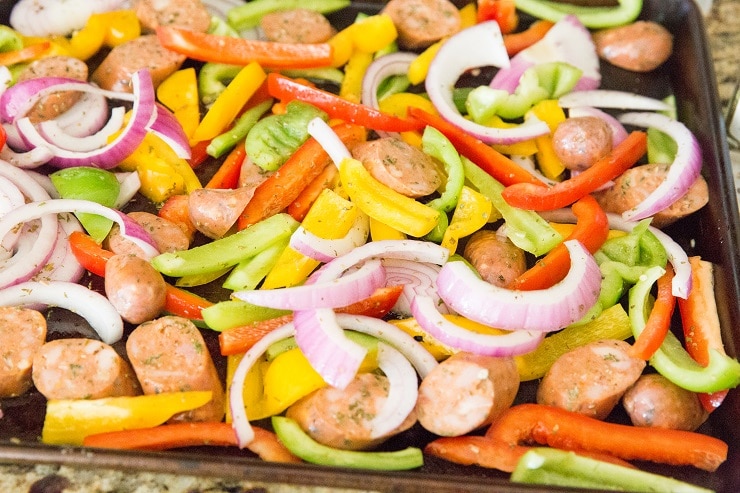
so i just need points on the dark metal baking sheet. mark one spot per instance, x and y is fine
(713, 233)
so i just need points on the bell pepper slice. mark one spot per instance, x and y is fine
(591, 17)
(516, 42)
(249, 273)
(658, 322)
(381, 231)
(227, 175)
(550, 112)
(354, 71)
(69, 421)
(121, 26)
(249, 15)
(238, 132)
(501, 11)
(472, 213)
(228, 314)
(179, 93)
(240, 51)
(26, 54)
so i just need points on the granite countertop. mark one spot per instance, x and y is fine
(723, 26)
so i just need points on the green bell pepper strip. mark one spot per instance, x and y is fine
(615, 276)
(526, 229)
(248, 15)
(639, 247)
(561, 468)
(591, 17)
(10, 40)
(227, 251)
(220, 27)
(223, 143)
(319, 74)
(250, 272)
(661, 148)
(671, 360)
(272, 140)
(226, 315)
(213, 79)
(305, 447)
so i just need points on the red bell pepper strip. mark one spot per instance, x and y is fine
(239, 51)
(501, 11)
(93, 258)
(3, 137)
(621, 158)
(701, 326)
(282, 187)
(592, 229)
(227, 175)
(301, 205)
(287, 89)
(198, 153)
(658, 322)
(24, 54)
(239, 339)
(516, 42)
(484, 156)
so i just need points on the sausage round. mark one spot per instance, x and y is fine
(54, 104)
(398, 165)
(188, 14)
(134, 288)
(82, 369)
(214, 211)
(654, 401)
(296, 26)
(580, 141)
(19, 347)
(635, 184)
(167, 236)
(495, 257)
(590, 379)
(169, 355)
(640, 47)
(466, 391)
(341, 418)
(422, 22)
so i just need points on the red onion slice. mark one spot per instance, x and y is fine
(683, 172)
(62, 265)
(54, 134)
(28, 159)
(605, 98)
(417, 278)
(402, 391)
(10, 196)
(86, 116)
(167, 128)
(512, 344)
(325, 250)
(542, 310)
(93, 306)
(130, 184)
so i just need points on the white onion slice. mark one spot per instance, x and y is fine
(454, 58)
(683, 172)
(329, 140)
(345, 290)
(380, 69)
(605, 98)
(323, 249)
(55, 135)
(93, 306)
(618, 131)
(540, 310)
(417, 278)
(402, 392)
(431, 320)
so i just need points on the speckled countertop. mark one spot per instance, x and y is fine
(723, 26)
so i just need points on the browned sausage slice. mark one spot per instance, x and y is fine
(115, 72)
(169, 355)
(466, 391)
(22, 333)
(188, 14)
(135, 288)
(655, 401)
(580, 141)
(342, 418)
(590, 379)
(495, 257)
(400, 166)
(296, 26)
(54, 104)
(640, 47)
(82, 369)
(422, 22)
(214, 211)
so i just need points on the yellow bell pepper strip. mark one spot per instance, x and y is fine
(468, 15)
(342, 47)
(373, 33)
(179, 93)
(417, 71)
(524, 148)
(69, 421)
(240, 51)
(254, 403)
(248, 15)
(381, 231)
(398, 104)
(472, 213)
(385, 204)
(121, 26)
(230, 102)
(351, 86)
(293, 268)
(551, 113)
(213, 78)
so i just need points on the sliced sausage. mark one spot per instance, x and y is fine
(22, 332)
(399, 165)
(135, 288)
(655, 401)
(214, 211)
(188, 14)
(169, 355)
(167, 236)
(251, 175)
(341, 418)
(495, 257)
(54, 104)
(590, 379)
(580, 141)
(640, 47)
(422, 22)
(296, 26)
(115, 72)
(466, 391)
(82, 369)
(635, 184)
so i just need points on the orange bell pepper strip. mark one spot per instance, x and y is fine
(24, 54)
(287, 89)
(559, 428)
(621, 158)
(592, 230)
(178, 435)
(491, 161)
(239, 51)
(285, 185)
(516, 42)
(701, 326)
(239, 339)
(328, 178)
(658, 322)
(227, 175)
(501, 11)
